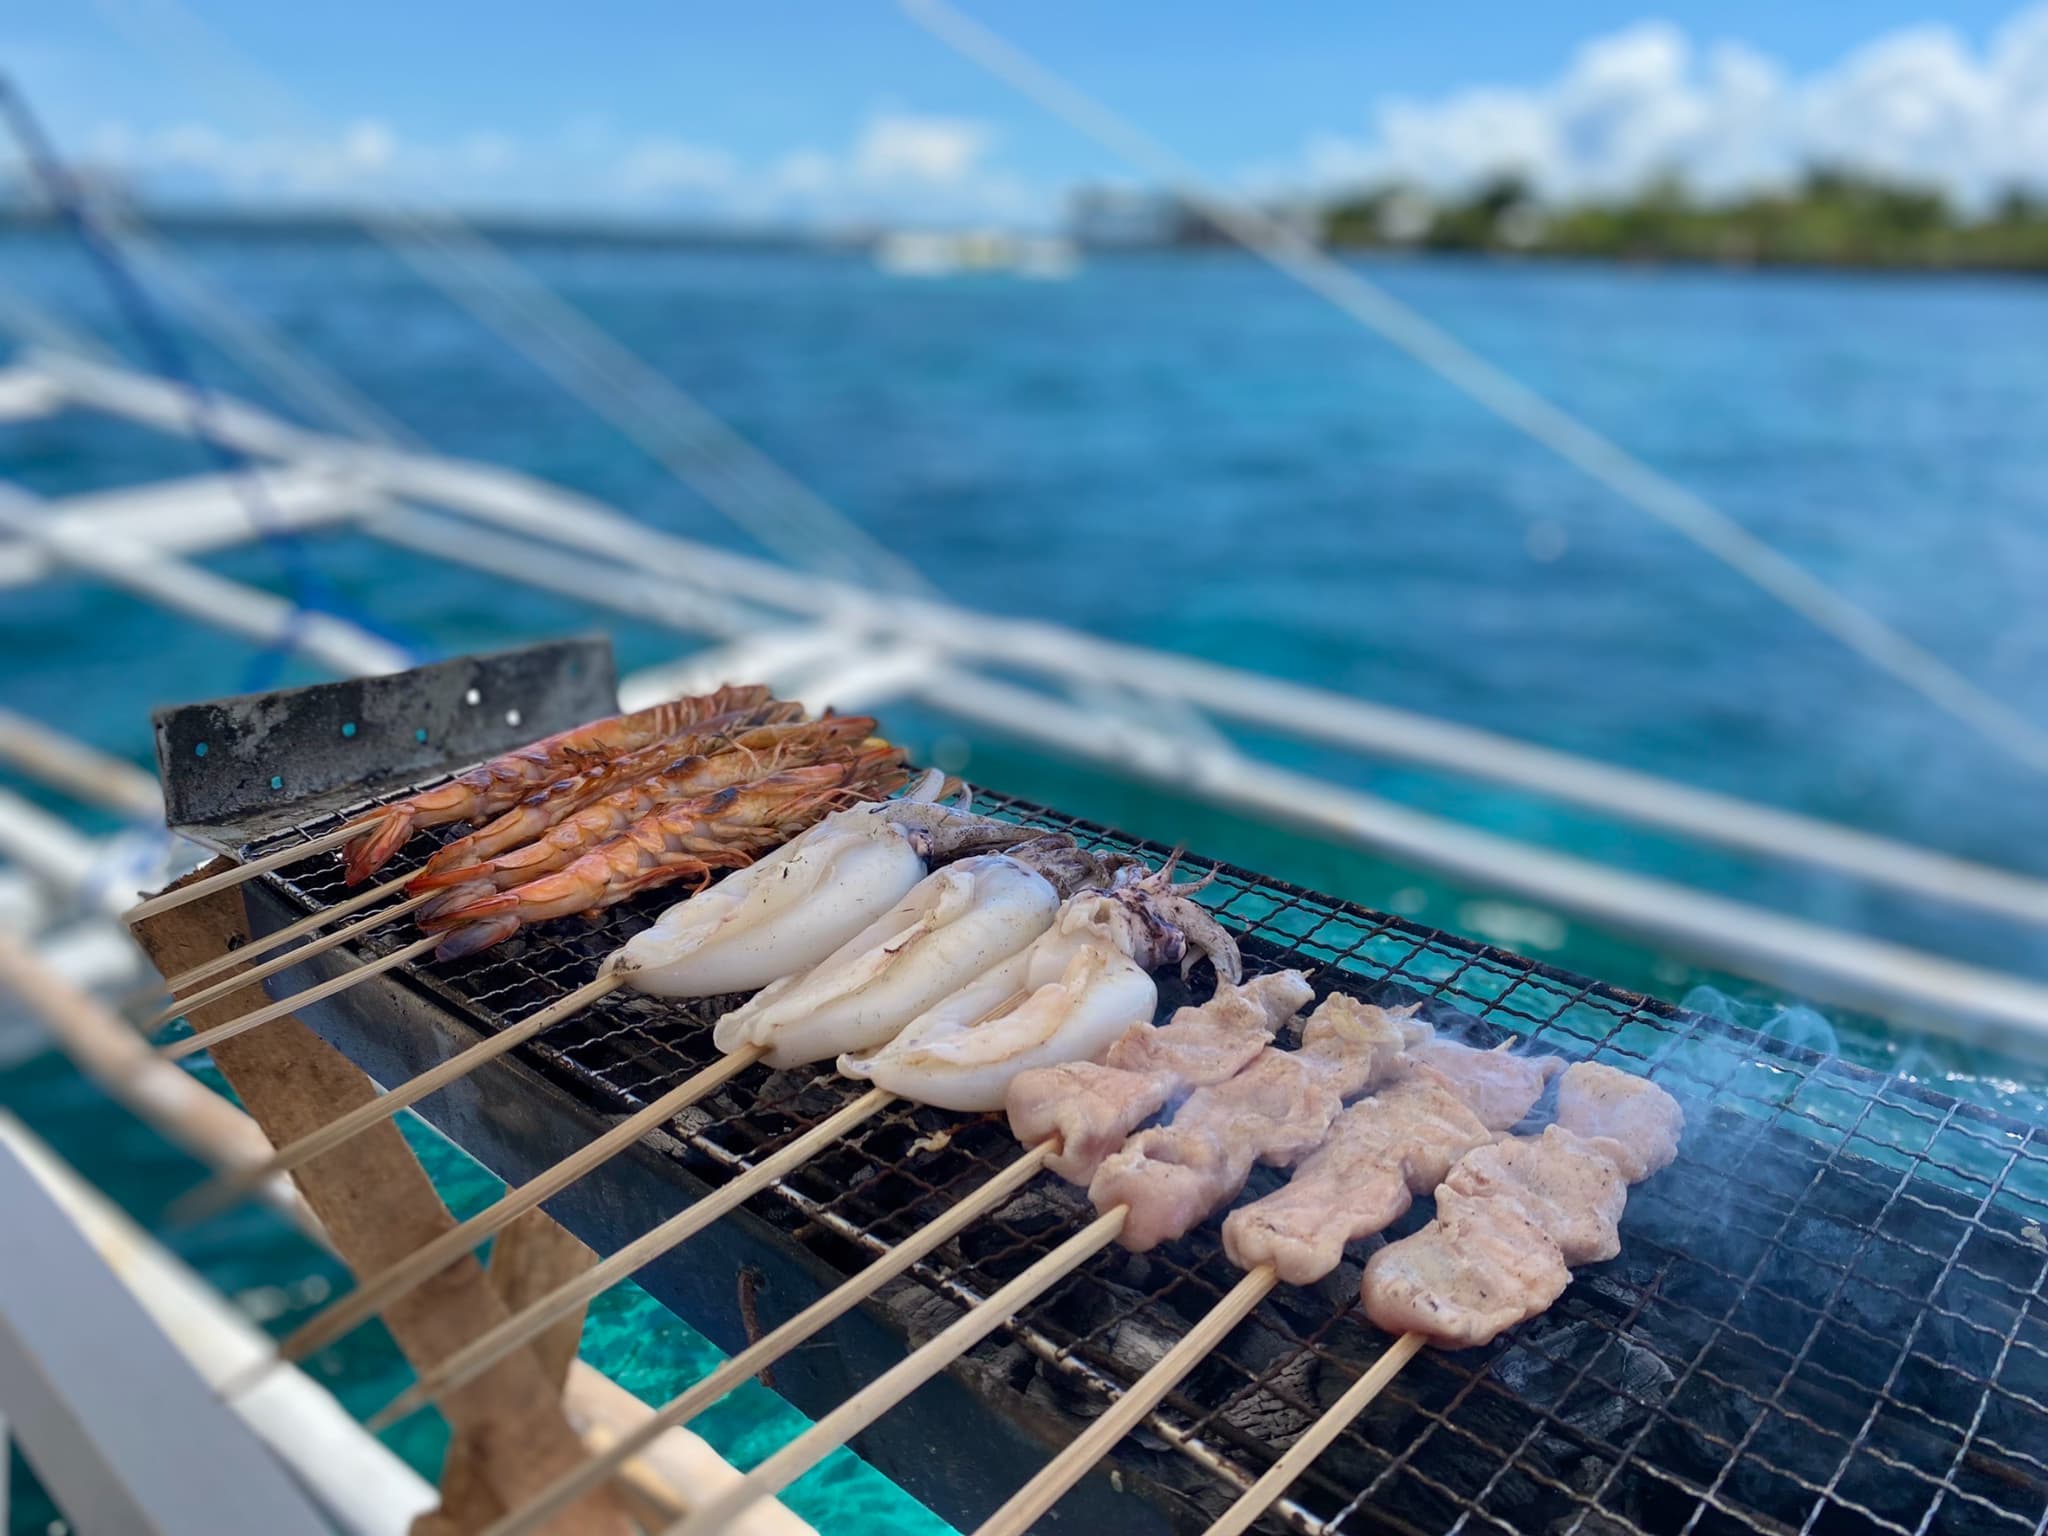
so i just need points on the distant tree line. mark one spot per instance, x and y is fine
(1832, 218)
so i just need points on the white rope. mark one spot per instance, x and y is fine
(751, 490)
(1571, 439)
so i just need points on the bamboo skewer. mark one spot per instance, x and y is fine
(901, 1379)
(191, 1045)
(164, 901)
(263, 944)
(484, 1351)
(283, 962)
(1067, 1468)
(215, 1196)
(424, 1262)
(772, 1346)
(1317, 1438)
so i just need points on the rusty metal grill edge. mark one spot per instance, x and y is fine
(1826, 1317)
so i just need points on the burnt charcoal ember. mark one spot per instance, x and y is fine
(1287, 1399)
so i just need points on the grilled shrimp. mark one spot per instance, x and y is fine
(502, 782)
(613, 793)
(690, 840)
(685, 779)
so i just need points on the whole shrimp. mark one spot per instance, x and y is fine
(692, 840)
(495, 786)
(597, 778)
(751, 755)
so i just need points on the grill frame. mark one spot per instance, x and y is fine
(1437, 1418)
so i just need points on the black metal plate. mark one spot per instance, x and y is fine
(239, 768)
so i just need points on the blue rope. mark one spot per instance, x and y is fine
(166, 353)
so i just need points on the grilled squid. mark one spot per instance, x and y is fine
(784, 915)
(952, 926)
(1067, 997)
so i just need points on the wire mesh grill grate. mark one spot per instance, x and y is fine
(1827, 1316)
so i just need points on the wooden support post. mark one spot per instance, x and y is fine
(378, 1205)
(530, 1258)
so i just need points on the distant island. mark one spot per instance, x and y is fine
(1831, 218)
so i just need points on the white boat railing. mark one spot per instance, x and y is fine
(1148, 715)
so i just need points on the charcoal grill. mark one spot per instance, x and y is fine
(1827, 1316)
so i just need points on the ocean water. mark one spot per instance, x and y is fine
(1188, 452)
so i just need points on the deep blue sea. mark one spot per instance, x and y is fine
(1189, 452)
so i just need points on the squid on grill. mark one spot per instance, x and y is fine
(785, 914)
(950, 928)
(1067, 997)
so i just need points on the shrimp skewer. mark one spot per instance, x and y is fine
(502, 782)
(595, 778)
(710, 767)
(689, 840)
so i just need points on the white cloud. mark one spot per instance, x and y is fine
(898, 147)
(897, 165)
(657, 167)
(1919, 103)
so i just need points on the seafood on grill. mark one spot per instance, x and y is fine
(1080, 986)
(783, 915)
(691, 840)
(775, 732)
(496, 786)
(1513, 1218)
(752, 754)
(951, 928)
(1087, 1108)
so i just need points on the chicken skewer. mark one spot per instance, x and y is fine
(1199, 1044)
(1409, 1132)
(1070, 866)
(482, 791)
(692, 838)
(1605, 1117)
(1347, 1044)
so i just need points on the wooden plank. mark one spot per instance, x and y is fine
(378, 1205)
(530, 1258)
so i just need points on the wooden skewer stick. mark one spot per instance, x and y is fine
(901, 1379)
(283, 962)
(428, 1260)
(191, 1045)
(211, 1198)
(1067, 1468)
(1317, 1438)
(227, 877)
(484, 1351)
(263, 944)
(772, 1346)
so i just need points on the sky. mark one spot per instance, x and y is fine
(819, 111)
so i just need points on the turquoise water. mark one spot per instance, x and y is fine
(1189, 453)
